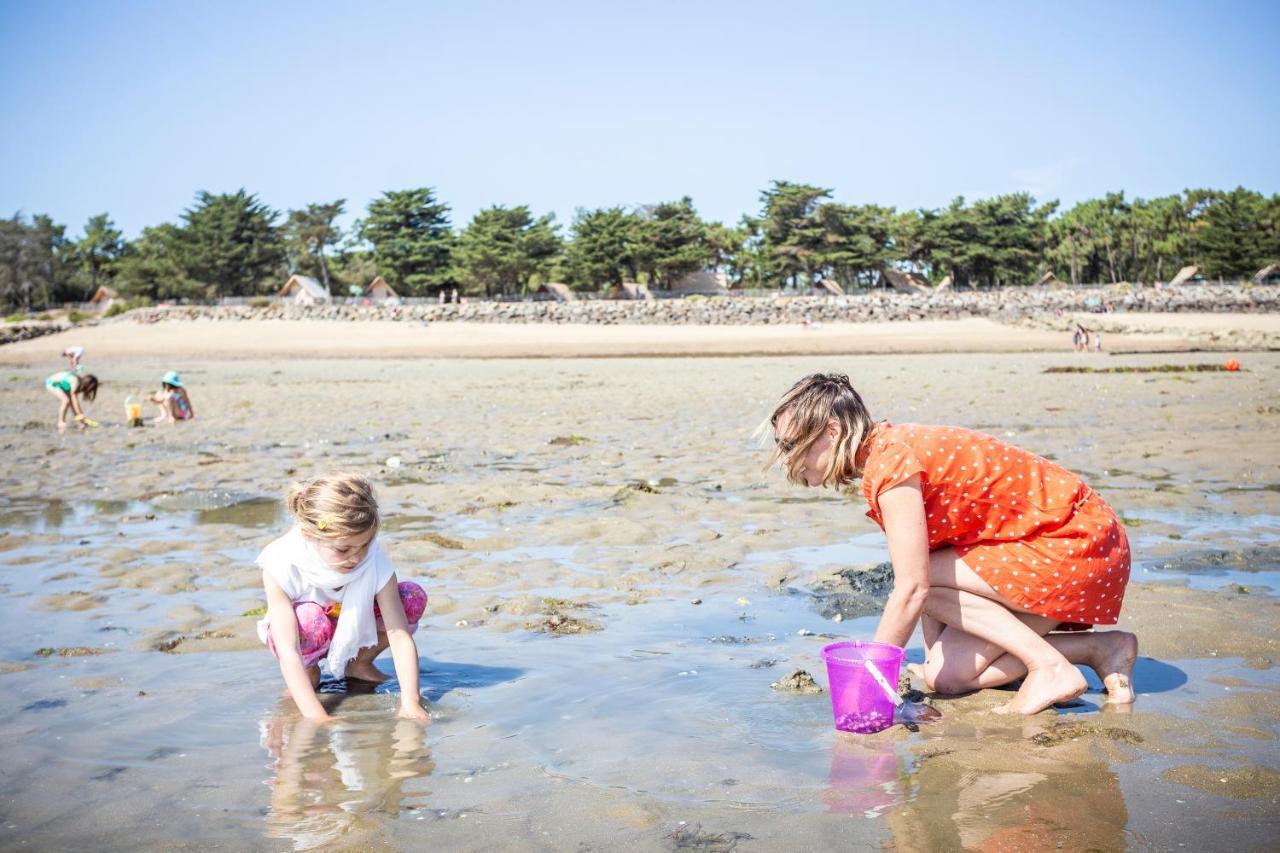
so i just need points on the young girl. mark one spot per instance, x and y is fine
(992, 547)
(68, 388)
(173, 400)
(332, 595)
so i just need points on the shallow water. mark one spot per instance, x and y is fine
(658, 732)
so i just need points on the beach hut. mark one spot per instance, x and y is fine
(1269, 274)
(303, 290)
(379, 291)
(903, 282)
(828, 287)
(633, 290)
(1185, 275)
(1049, 280)
(701, 282)
(561, 292)
(102, 298)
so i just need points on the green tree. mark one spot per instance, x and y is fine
(602, 252)
(669, 241)
(230, 243)
(311, 231)
(1234, 241)
(153, 266)
(99, 249)
(792, 237)
(502, 249)
(857, 241)
(412, 240)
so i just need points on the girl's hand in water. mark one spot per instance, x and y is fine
(413, 712)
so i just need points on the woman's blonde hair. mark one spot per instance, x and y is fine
(334, 506)
(810, 404)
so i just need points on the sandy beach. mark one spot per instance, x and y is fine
(252, 339)
(608, 495)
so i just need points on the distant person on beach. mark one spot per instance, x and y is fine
(173, 400)
(1002, 556)
(74, 354)
(1080, 339)
(69, 388)
(332, 596)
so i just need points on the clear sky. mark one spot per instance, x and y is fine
(131, 107)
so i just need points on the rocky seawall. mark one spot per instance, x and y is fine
(1012, 305)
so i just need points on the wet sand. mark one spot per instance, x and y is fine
(139, 711)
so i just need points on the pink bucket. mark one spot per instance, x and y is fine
(859, 703)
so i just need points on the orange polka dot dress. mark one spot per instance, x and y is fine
(1031, 529)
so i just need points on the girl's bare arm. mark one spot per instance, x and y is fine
(404, 651)
(284, 631)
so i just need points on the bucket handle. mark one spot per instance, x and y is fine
(884, 685)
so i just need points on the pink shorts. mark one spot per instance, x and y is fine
(316, 626)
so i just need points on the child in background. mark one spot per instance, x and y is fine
(173, 400)
(74, 354)
(332, 596)
(68, 388)
(993, 548)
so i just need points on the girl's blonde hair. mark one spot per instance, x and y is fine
(334, 506)
(809, 406)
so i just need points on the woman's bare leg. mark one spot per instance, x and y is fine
(959, 661)
(981, 612)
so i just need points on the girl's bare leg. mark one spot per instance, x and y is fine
(977, 609)
(64, 403)
(362, 667)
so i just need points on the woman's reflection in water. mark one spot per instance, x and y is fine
(331, 783)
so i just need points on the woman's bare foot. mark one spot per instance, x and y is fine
(1114, 664)
(365, 671)
(1044, 686)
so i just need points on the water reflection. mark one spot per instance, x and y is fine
(333, 783)
(866, 775)
(998, 793)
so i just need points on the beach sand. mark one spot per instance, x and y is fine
(189, 340)
(140, 712)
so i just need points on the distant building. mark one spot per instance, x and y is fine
(701, 282)
(828, 287)
(304, 290)
(561, 292)
(1268, 275)
(1049, 280)
(1186, 274)
(103, 297)
(379, 291)
(633, 290)
(903, 282)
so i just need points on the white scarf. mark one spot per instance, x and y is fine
(354, 590)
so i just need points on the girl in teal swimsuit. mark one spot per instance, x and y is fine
(68, 388)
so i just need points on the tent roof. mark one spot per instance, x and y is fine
(560, 291)
(903, 282)
(1185, 274)
(307, 283)
(1267, 272)
(829, 286)
(102, 294)
(382, 283)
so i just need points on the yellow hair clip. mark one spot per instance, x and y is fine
(325, 520)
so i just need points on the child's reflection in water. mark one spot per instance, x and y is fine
(331, 782)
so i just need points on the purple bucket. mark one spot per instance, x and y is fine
(860, 705)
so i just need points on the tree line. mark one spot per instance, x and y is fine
(233, 244)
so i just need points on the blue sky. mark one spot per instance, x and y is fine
(131, 107)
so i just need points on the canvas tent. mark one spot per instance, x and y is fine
(561, 292)
(1185, 275)
(828, 287)
(379, 291)
(701, 282)
(303, 290)
(903, 282)
(1269, 274)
